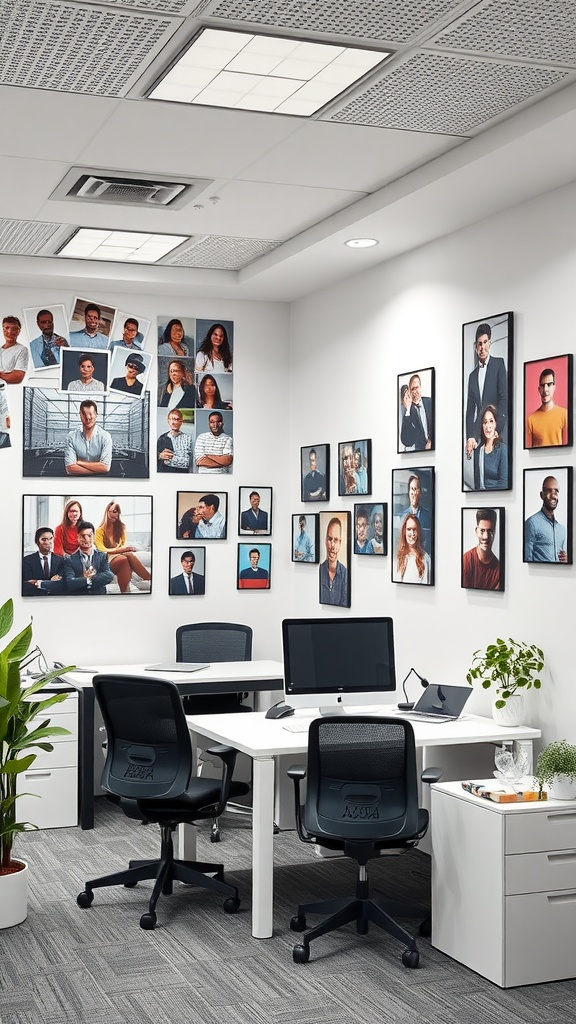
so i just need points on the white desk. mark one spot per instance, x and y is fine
(265, 739)
(220, 677)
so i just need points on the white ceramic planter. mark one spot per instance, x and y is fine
(14, 897)
(563, 788)
(512, 713)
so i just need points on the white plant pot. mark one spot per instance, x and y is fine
(14, 897)
(512, 713)
(563, 788)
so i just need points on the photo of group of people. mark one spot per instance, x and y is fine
(487, 361)
(371, 529)
(86, 545)
(195, 396)
(355, 461)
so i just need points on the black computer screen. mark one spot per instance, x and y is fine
(338, 656)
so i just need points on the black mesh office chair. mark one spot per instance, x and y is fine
(213, 642)
(149, 772)
(362, 798)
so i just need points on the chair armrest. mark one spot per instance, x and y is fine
(297, 771)
(430, 775)
(228, 756)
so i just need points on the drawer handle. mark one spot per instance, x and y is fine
(567, 856)
(561, 816)
(37, 775)
(565, 897)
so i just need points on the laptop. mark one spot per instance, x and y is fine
(439, 704)
(177, 666)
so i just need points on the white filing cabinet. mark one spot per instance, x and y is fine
(53, 776)
(504, 885)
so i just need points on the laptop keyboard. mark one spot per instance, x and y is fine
(423, 717)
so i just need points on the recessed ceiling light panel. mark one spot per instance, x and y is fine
(253, 72)
(361, 243)
(133, 246)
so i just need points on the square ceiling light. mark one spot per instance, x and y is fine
(133, 246)
(271, 73)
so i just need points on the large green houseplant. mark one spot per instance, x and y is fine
(511, 666)
(17, 735)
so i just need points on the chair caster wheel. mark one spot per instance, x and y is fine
(130, 885)
(231, 905)
(148, 921)
(215, 835)
(85, 899)
(301, 954)
(298, 923)
(410, 958)
(425, 928)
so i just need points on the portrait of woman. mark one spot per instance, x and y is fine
(177, 392)
(66, 533)
(110, 538)
(172, 341)
(412, 561)
(491, 456)
(214, 353)
(209, 396)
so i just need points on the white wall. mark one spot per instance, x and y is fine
(137, 628)
(349, 343)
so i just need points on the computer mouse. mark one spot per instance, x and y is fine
(279, 711)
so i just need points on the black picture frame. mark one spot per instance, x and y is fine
(205, 527)
(544, 424)
(548, 525)
(177, 584)
(355, 467)
(416, 429)
(304, 543)
(252, 575)
(255, 519)
(371, 539)
(315, 477)
(487, 441)
(482, 548)
(408, 504)
(336, 590)
(46, 513)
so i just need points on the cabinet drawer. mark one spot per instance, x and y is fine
(540, 872)
(540, 937)
(69, 721)
(64, 755)
(541, 830)
(58, 792)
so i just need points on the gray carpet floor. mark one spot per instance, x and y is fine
(200, 965)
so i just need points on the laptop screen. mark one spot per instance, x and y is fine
(444, 701)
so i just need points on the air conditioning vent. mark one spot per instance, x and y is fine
(95, 185)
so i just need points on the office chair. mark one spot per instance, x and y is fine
(215, 641)
(149, 772)
(362, 798)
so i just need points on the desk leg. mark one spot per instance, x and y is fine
(86, 757)
(263, 848)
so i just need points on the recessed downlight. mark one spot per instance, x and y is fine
(361, 243)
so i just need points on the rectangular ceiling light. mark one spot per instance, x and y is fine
(134, 246)
(252, 72)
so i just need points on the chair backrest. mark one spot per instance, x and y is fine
(214, 641)
(149, 753)
(362, 781)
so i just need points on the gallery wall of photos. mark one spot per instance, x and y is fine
(88, 412)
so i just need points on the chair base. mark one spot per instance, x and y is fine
(165, 870)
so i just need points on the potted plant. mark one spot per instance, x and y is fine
(512, 667)
(556, 768)
(18, 734)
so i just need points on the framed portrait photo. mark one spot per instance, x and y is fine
(91, 324)
(129, 371)
(548, 405)
(305, 537)
(201, 515)
(253, 566)
(548, 515)
(335, 544)
(66, 540)
(47, 329)
(487, 363)
(413, 525)
(482, 549)
(355, 467)
(129, 332)
(416, 410)
(371, 528)
(84, 373)
(315, 472)
(255, 510)
(187, 572)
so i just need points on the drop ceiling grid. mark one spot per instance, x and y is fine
(219, 252)
(26, 237)
(542, 31)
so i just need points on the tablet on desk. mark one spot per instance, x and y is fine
(177, 666)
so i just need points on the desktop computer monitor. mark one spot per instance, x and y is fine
(332, 664)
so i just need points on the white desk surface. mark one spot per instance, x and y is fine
(218, 672)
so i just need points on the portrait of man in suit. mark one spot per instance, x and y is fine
(187, 582)
(42, 570)
(254, 519)
(416, 413)
(87, 571)
(486, 383)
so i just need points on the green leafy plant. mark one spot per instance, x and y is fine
(509, 666)
(558, 758)
(18, 733)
